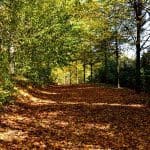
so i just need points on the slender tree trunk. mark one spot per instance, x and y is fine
(65, 79)
(84, 68)
(84, 72)
(91, 65)
(77, 72)
(70, 77)
(11, 60)
(117, 63)
(106, 67)
(0, 44)
(138, 64)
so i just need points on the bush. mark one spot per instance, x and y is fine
(5, 97)
(127, 76)
(40, 76)
(100, 75)
(146, 83)
(6, 90)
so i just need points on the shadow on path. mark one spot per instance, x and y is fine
(78, 117)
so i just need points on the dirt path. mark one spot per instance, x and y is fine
(75, 117)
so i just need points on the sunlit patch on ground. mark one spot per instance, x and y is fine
(16, 117)
(44, 91)
(35, 100)
(97, 126)
(49, 114)
(74, 103)
(10, 135)
(85, 87)
(115, 104)
(93, 147)
(49, 93)
(61, 123)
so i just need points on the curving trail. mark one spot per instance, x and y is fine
(82, 117)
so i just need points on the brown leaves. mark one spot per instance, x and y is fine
(76, 117)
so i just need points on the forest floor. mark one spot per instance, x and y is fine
(83, 117)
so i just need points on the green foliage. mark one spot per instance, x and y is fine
(127, 76)
(5, 97)
(47, 35)
(100, 75)
(40, 76)
(6, 85)
(6, 90)
(146, 71)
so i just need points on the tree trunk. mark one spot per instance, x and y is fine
(91, 65)
(84, 74)
(117, 64)
(138, 66)
(138, 12)
(77, 72)
(106, 68)
(11, 60)
(0, 44)
(65, 79)
(70, 77)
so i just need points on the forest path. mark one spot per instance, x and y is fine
(75, 117)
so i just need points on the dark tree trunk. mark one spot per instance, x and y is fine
(106, 68)
(77, 72)
(117, 64)
(138, 64)
(138, 12)
(84, 72)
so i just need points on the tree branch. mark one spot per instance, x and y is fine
(145, 41)
(146, 47)
(132, 36)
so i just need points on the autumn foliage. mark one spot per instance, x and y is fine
(75, 117)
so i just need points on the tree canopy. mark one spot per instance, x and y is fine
(41, 36)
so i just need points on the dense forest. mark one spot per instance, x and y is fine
(75, 41)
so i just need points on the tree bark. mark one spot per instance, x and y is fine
(11, 60)
(70, 77)
(84, 72)
(106, 67)
(0, 44)
(117, 63)
(138, 67)
(138, 12)
(77, 72)
(91, 66)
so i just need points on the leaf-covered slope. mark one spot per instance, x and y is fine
(75, 117)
